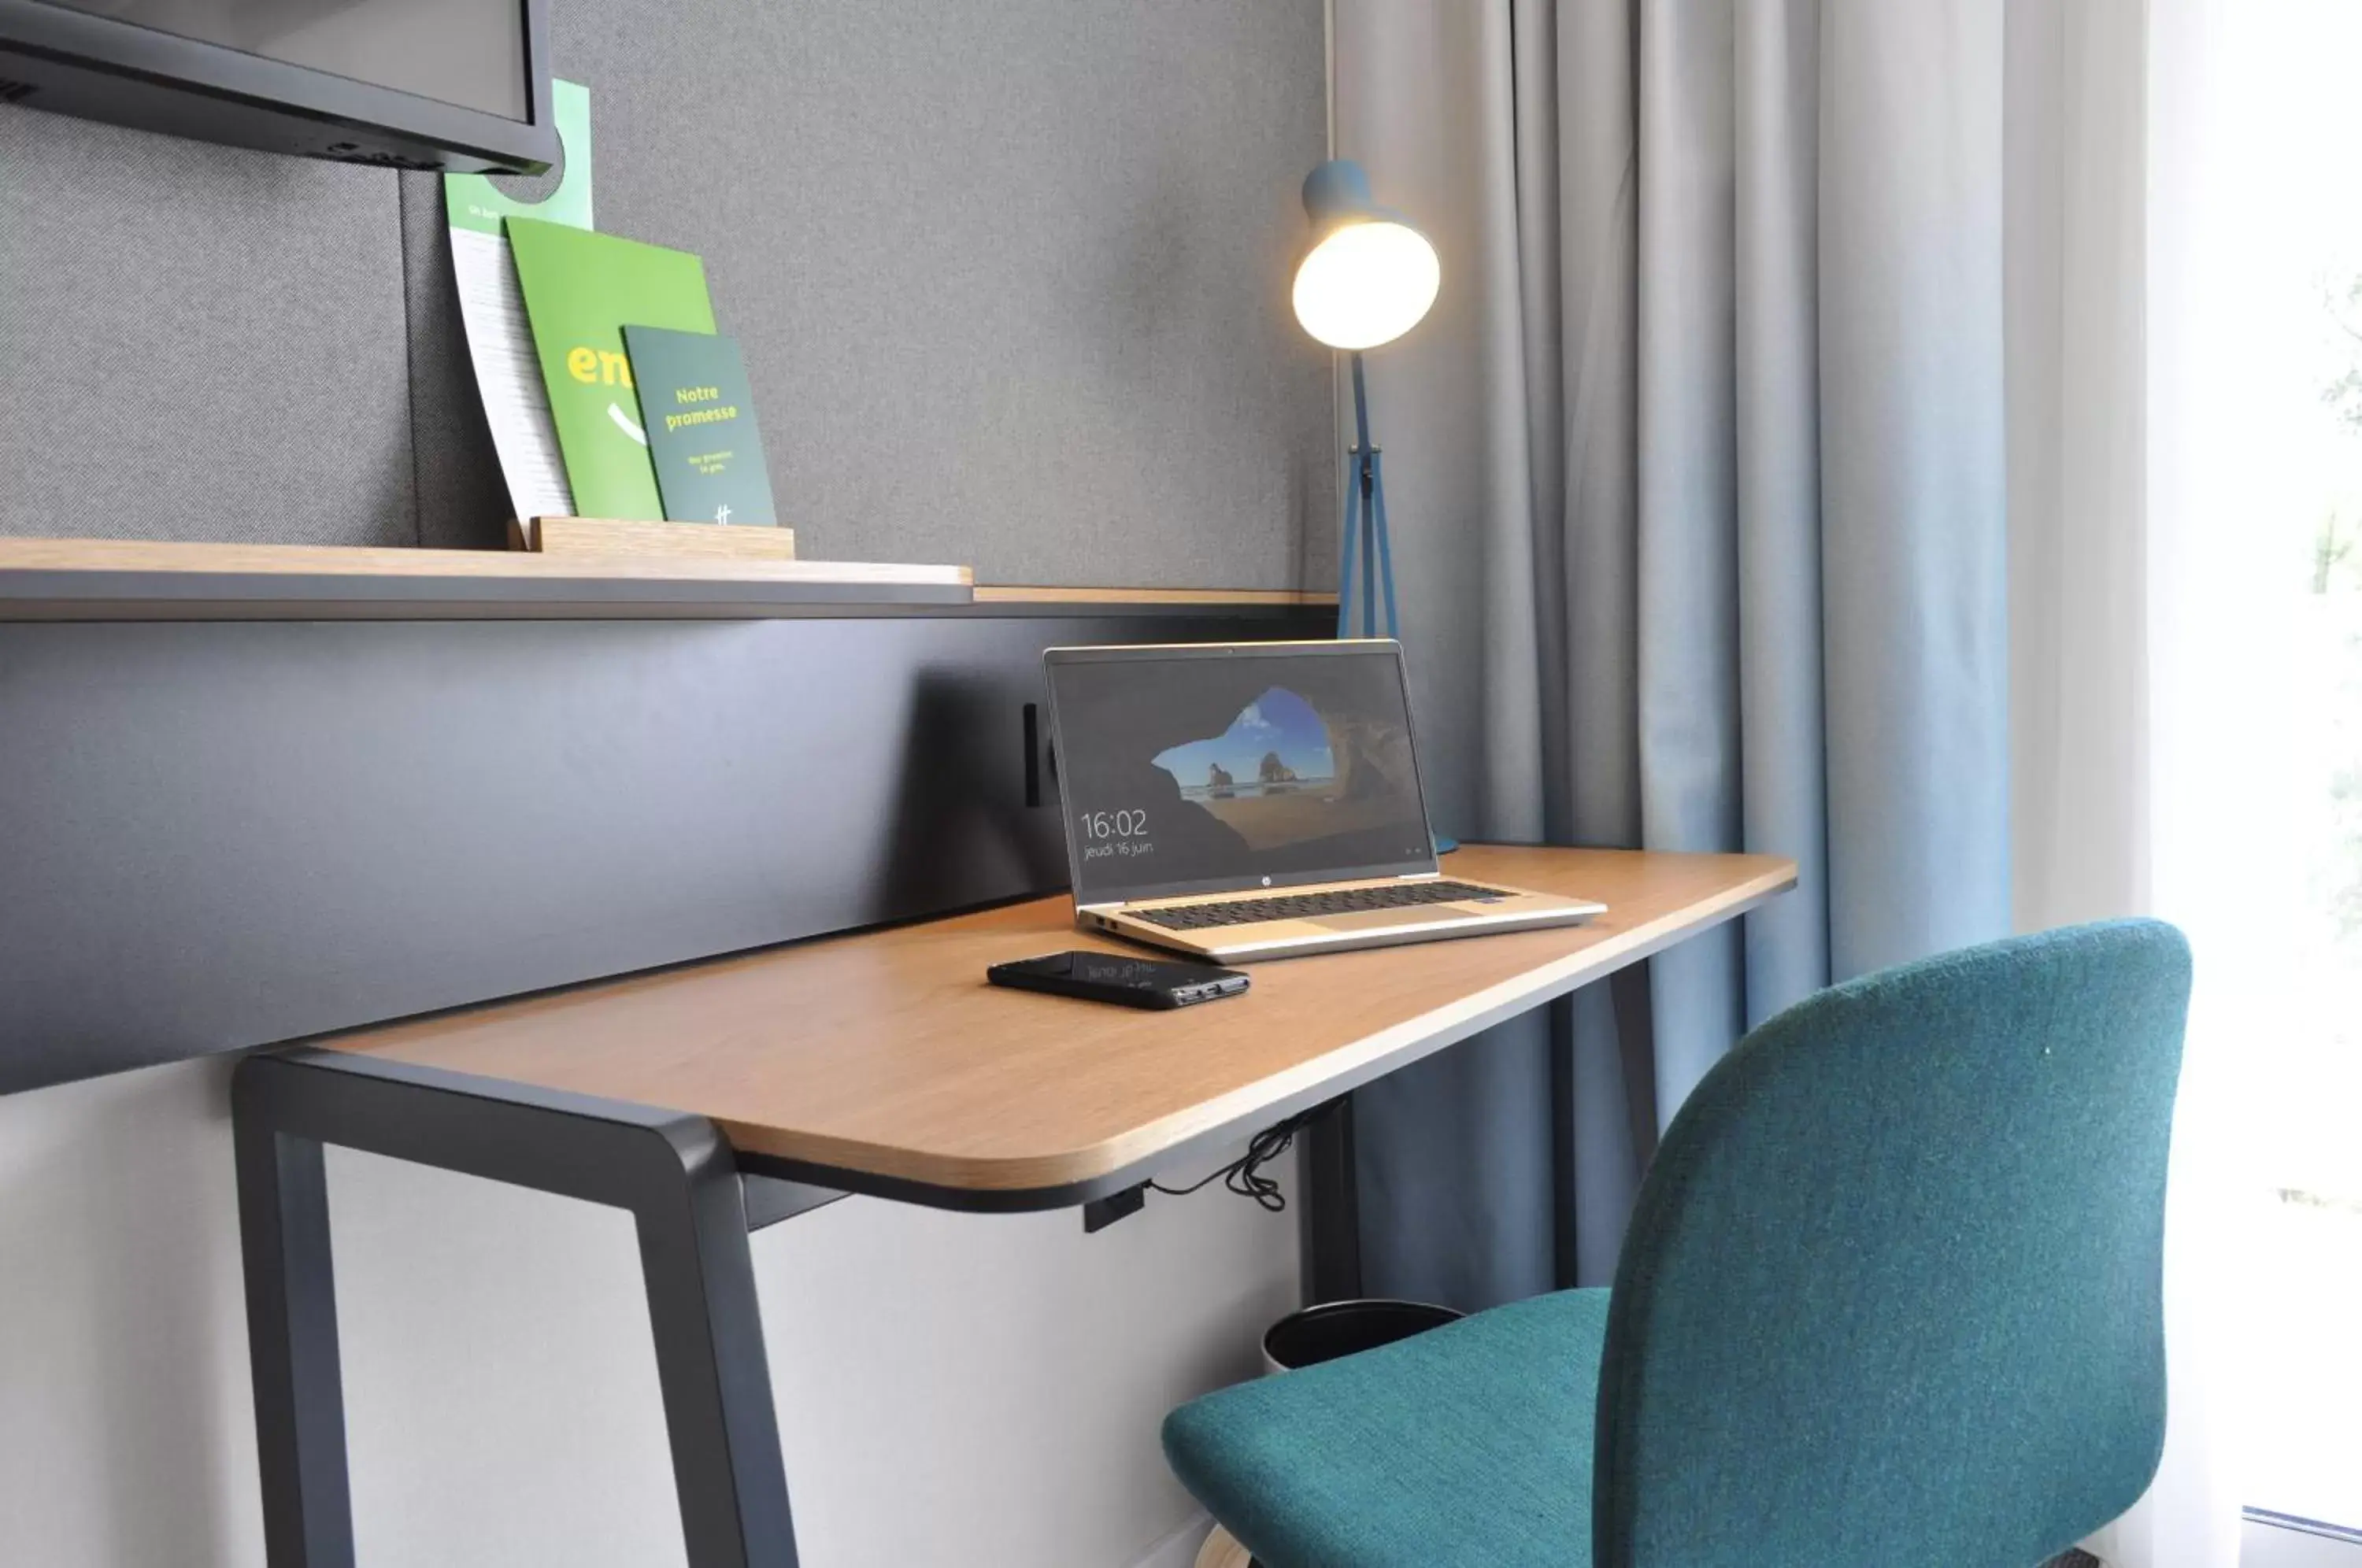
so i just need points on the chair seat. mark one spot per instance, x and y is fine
(1471, 1443)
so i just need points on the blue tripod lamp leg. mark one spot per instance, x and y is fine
(1383, 570)
(1362, 495)
(1351, 490)
(1386, 551)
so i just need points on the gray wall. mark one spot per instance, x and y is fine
(1011, 282)
(1011, 277)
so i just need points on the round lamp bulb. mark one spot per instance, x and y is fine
(1366, 284)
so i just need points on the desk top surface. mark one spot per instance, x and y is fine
(885, 1057)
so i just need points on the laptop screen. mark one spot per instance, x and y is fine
(1189, 770)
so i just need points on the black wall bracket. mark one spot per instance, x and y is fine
(770, 1199)
(1102, 1212)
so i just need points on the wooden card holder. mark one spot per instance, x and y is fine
(588, 538)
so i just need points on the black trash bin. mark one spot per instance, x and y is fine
(1336, 1329)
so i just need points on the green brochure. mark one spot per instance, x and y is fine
(579, 288)
(698, 413)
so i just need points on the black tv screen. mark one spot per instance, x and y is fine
(453, 85)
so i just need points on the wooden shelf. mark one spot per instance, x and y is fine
(116, 579)
(1277, 598)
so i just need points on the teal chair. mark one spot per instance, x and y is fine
(1890, 1297)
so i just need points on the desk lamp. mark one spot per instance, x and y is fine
(1368, 278)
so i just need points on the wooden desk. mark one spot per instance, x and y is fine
(883, 1062)
(875, 1063)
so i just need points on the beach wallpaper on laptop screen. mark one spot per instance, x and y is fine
(1273, 776)
(1248, 770)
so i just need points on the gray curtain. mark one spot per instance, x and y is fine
(1697, 478)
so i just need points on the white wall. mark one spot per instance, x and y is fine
(952, 1389)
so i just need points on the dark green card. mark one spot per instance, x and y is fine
(700, 416)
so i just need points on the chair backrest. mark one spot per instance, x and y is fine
(1891, 1291)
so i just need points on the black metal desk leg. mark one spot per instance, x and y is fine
(715, 1377)
(673, 1173)
(1332, 1209)
(291, 1310)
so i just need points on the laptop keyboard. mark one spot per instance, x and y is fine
(1300, 906)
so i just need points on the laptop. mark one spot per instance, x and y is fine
(1254, 801)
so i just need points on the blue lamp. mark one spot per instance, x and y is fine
(1368, 278)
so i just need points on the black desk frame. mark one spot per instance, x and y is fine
(673, 1173)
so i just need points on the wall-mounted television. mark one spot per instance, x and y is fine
(451, 84)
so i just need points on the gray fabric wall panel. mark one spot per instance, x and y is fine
(1011, 282)
(1011, 278)
(199, 342)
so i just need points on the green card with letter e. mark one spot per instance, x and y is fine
(698, 413)
(579, 288)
